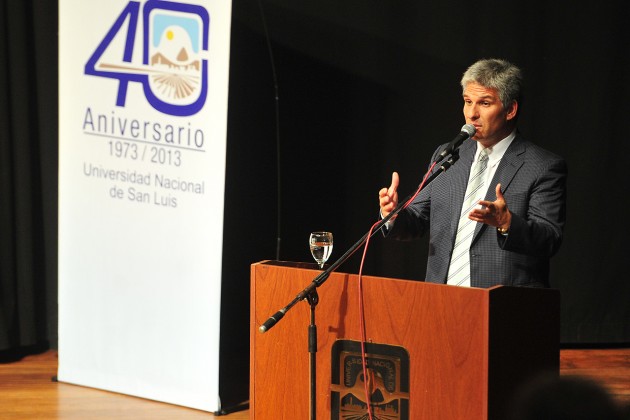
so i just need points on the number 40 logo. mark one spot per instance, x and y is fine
(174, 67)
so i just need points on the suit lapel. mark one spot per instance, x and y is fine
(511, 162)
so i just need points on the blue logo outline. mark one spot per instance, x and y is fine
(131, 11)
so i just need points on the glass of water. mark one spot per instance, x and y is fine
(321, 244)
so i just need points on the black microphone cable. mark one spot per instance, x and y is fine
(277, 113)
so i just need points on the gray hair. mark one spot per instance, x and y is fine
(497, 74)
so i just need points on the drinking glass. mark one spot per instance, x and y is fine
(321, 244)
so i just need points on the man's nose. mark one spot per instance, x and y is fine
(472, 112)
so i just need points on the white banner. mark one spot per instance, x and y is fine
(143, 91)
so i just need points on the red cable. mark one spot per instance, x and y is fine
(361, 306)
(362, 326)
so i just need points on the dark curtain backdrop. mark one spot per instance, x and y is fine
(365, 88)
(28, 175)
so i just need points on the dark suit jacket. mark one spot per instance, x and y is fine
(533, 182)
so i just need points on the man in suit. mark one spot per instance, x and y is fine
(516, 222)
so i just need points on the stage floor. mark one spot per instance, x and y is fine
(27, 390)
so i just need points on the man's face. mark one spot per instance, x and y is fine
(484, 110)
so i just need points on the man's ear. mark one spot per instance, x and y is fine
(512, 111)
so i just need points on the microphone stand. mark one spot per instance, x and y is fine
(309, 294)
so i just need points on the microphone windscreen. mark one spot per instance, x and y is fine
(469, 129)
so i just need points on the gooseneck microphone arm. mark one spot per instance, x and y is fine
(323, 276)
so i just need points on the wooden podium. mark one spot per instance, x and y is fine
(434, 351)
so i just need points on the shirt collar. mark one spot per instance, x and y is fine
(496, 152)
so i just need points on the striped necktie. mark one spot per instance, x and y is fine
(459, 269)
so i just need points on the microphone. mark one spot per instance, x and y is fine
(273, 320)
(468, 130)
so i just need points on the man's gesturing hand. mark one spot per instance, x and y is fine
(388, 197)
(493, 213)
